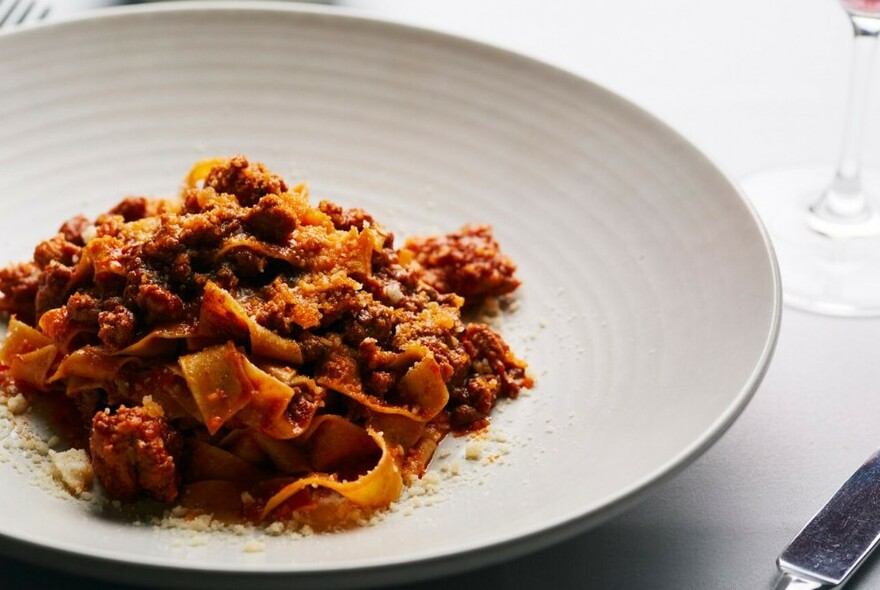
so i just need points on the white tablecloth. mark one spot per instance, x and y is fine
(755, 84)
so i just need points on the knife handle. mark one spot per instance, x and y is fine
(839, 538)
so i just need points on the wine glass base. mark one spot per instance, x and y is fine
(832, 276)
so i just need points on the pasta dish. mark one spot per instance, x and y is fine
(240, 351)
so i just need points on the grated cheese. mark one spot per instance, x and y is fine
(73, 469)
(17, 404)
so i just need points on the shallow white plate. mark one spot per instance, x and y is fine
(650, 303)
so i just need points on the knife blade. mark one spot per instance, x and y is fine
(839, 538)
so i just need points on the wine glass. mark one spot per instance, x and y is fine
(826, 231)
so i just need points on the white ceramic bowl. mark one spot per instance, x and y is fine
(650, 304)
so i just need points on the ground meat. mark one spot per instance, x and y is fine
(53, 287)
(313, 347)
(134, 452)
(166, 263)
(74, 228)
(109, 224)
(83, 310)
(56, 249)
(450, 354)
(207, 230)
(270, 219)
(18, 284)
(466, 417)
(225, 277)
(381, 368)
(159, 304)
(379, 383)
(117, 327)
(345, 219)
(109, 319)
(180, 270)
(249, 182)
(374, 321)
(491, 356)
(247, 263)
(133, 208)
(494, 372)
(468, 263)
(483, 391)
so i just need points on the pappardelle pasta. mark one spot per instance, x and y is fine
(240, 351)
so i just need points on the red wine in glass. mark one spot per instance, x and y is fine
(863, 7)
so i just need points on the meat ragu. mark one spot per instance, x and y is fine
(240, 350)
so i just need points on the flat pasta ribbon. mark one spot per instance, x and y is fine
(221, 314)
(224, 383)
(29, 354)
(280, 409)
(420, 394)
(350, 251)
(375, 489)
(160, 342)
(91, 365)
(218, 382)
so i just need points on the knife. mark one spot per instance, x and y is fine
(839, 538)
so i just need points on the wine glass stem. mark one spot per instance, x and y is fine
(844, 205)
